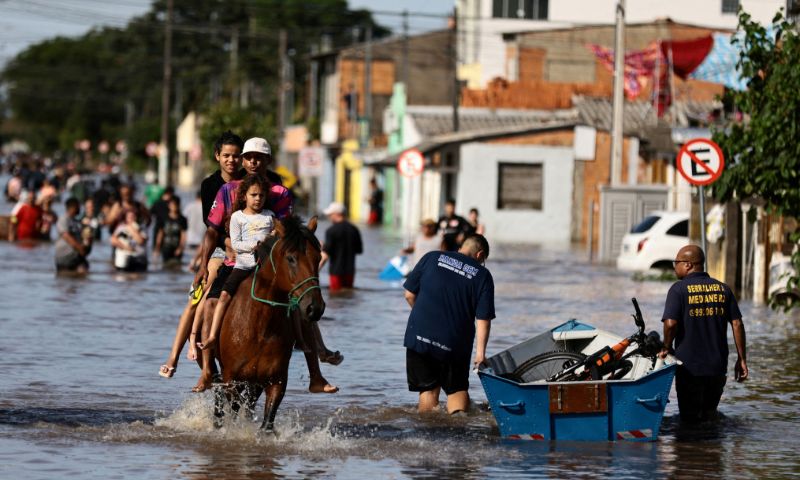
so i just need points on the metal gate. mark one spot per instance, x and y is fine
(621, 208)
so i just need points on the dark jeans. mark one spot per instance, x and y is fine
(698, 396)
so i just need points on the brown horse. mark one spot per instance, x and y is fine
(260, 327)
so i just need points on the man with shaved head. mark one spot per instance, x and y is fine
(697, 312)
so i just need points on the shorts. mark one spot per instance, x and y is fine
(339, 282)
(425, 372)
(168, 254)
(71, 262)
(219, 283)
(218, 253)
(698, 396)
(234, 279)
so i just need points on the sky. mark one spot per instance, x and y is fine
(26, 22)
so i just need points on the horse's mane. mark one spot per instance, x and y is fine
(295, 236)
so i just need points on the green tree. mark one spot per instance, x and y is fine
(106, 85)
(764, 147)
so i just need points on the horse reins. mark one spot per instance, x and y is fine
(294, 301)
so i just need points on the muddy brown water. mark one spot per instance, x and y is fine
(80, 396)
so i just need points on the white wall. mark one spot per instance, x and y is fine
(477, 187)
(481, 42)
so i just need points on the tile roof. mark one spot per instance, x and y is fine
(432, 121)
(639, 117)
(435, 123)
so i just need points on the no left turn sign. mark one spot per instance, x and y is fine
(700, 161)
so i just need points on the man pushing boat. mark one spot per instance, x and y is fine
(452, 301)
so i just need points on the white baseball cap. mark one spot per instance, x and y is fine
(258, 145)
(334, 207)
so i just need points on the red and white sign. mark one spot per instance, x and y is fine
(700, 161)
(310, 161)
(411, 163)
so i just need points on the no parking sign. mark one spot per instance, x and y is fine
(700, 161)
(411, 163)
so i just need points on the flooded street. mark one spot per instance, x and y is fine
(80, 395)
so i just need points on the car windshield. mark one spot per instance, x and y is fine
(645, 224)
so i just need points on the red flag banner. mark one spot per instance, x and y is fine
(686, 55)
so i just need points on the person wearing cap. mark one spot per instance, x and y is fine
(342, 244)
(427, 240)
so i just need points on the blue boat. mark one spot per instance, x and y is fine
(551, 388)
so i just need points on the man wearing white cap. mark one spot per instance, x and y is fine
(342, 244)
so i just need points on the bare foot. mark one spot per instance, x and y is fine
(203, 384)
(207, 344)
(320, 385)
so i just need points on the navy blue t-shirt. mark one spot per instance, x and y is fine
(703, 307)
(452, 290)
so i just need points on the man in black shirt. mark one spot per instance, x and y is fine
(454, 228)
(697, 312)
(160, 210)
(342, 244)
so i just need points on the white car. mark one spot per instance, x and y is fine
(654, 242)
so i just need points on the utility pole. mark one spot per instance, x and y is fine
(234, 66)
(163, 156)
(368, 82)
(618, 102)
(282, 45)
(456, 83)
(313, 80)
(405, 50)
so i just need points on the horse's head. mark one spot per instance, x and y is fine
(291, 263)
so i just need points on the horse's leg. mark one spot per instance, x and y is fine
(253, 393)
(274, 392)
(222, 396)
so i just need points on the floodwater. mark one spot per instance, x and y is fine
(80, 396)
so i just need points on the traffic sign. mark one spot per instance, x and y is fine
(411, 163)
(310, 161)
(700, 161)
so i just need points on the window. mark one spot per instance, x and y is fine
(792, 8)
(519, 186)
(526, 9)
(730, 6)
(680, 229)
(645, 224)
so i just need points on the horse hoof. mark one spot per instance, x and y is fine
(269, 431)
